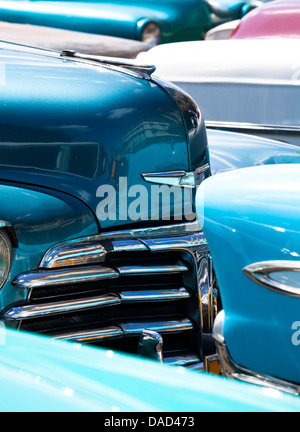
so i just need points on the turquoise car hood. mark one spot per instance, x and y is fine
(74, 125)
(37, 374)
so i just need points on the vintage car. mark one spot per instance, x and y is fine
(155, 21)
(58, 39)
(253, 214)
(99, 162)
(225, 30)
(92, 251)
(37, 375)
(222, 31)
(276, 19)
(250, 86)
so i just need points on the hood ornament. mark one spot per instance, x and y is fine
(178, 178)
(145, 70)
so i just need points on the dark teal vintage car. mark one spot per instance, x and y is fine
(156, 21)
(99, 163)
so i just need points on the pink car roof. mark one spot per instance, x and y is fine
(275, 19)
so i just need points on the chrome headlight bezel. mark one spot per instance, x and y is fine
(5, 256)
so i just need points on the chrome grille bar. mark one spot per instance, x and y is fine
(46, 278)
(77, 254)
(92, 336)
(154, 295)
(126, 330)
(151, 270)
(72, 306)
(94, 248)
(139, 271)
(135, 328)
(47, 309)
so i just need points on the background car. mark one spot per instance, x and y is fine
(224, 31)
(250, 86)
(278, 19)
(59, 40)
(152, 22)
(253, 213)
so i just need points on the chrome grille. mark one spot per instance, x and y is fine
(107, 289)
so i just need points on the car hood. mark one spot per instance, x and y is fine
(74, 125)
(37, 374)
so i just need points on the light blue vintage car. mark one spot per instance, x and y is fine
(39, 375)
(155, 21)
(251, 223)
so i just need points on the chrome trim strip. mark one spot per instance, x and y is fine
(134, 329)
(92, 336)
(145, 70)
(154, 295)
(178, 178)
(250, 126)
(124, 330)
(232, 370)
(88, 250)
(151, 270)
(48, 309)
(129, 240)
(167, 230)
(126, 245)
(260, 273)
(46, 278)
(76, 254)
(186, 243)
(83, 304)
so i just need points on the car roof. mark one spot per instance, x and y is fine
(275, 61)
(274, 19)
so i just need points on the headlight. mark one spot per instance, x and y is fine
(5, 257)
(151, 33)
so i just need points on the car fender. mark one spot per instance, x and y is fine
(39, 219)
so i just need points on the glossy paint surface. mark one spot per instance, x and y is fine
(276, 19)
(40, 218)
(73, 126)
(252, 215)
(231, 151)
(178, 20)
(228, 7)
(40, 375)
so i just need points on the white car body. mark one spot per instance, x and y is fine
(250, 86)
